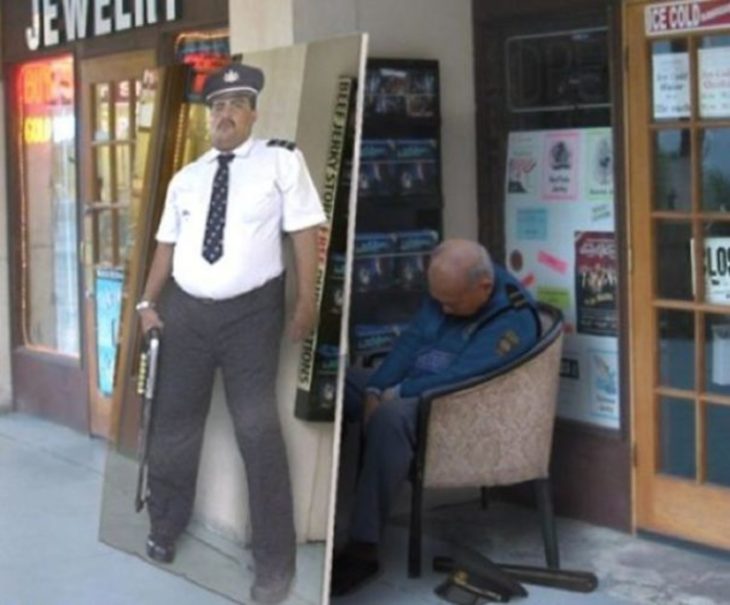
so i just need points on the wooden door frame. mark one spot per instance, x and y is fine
(659, 499)
(92, 71)
(164, 152)
(640, 249)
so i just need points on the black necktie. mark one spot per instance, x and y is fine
(213, 240)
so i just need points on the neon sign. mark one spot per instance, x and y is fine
(46, 95)
(204, 53)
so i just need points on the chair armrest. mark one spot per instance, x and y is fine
(550, 315)
(498, 425)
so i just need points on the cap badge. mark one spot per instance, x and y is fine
(231, 76)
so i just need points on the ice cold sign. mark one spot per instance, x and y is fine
(686, 16)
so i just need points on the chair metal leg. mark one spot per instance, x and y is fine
(414, 543)
(543, 493)
(484, 497)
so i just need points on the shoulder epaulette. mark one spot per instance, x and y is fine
(516, 298)
(281, 143)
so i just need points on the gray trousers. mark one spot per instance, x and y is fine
(388, 441)
(240, 336)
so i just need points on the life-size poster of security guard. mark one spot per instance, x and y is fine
(216, 290)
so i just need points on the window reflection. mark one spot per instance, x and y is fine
(672, 170)
(121, 111)
(718, 445)
(676, 349)
(674, 260)
(48, 173)
(553, 71)
(717, 354)
(101, 113)
(715, 147)
(677, 440)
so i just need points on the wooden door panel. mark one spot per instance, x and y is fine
(108, 101)
(682, 477)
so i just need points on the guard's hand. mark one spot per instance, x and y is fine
(372, 402)
(303, 321)
(148, 319)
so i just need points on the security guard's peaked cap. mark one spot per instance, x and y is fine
(235, 77)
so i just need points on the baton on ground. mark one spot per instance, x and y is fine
(565, 579)
(146, 382)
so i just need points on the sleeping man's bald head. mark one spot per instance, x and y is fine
(460, 276)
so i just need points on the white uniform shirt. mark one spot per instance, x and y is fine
(269, 191)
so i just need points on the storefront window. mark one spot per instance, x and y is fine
(558, 71)
(717, 353)
(677, 437)
(672, 170)
(48, 205)
(559, 79)
(676, 331)
(718, 446)
(715, 145)
(674, 278)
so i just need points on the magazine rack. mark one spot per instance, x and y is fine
(399, 201)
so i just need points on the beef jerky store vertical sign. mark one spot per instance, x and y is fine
(55, 22)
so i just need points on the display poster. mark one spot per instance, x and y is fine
(714, 69)
(595, 282)
(522, 166)
(671, 86)
(403, 93)
(560, 243)
(109, 284)
(560, 162)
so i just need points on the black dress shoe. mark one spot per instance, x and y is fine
(162, 552)
(350, 573)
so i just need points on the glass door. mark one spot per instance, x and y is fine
(113, 155)
(48, 377)
(678, 134)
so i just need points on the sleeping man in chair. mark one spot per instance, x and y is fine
(476, 318)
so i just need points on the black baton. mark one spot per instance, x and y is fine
(565, 579)
(146, 382)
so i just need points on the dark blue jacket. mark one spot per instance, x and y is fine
(438, 349)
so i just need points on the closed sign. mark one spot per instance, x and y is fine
(716, 269)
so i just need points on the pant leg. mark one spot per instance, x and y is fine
(355, 382)
(389, 448)
(185, 380)
(350, 448)
(249, 344)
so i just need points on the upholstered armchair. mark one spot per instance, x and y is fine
(492, 430)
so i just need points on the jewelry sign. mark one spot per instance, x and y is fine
(686, 16)
(56, 21)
